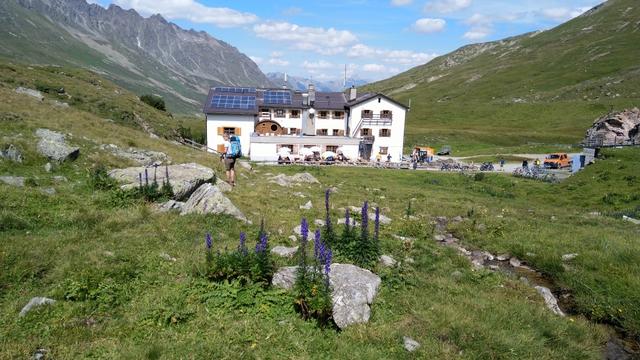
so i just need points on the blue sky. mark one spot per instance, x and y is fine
(374, 38)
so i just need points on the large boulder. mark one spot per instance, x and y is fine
(615, 128)
(352, 291)
(35, 302)
(297, 179)
(52, 144)
(184, 178)
(140, 156)
(30, 92)
(208, 199)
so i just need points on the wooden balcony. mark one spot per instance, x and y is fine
(377, 119)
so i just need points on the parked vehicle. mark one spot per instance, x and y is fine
(445, 150)
(557, 161)
(487, 166)
(423, 153)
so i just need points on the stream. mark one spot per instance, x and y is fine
(559, 300)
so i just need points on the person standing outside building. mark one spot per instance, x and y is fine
(229, 161)
(502, 164)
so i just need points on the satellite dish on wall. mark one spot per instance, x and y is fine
(312, 111)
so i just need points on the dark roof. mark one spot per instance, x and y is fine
(368, 96)
(256, 96)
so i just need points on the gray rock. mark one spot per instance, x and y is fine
(515, 262)
(383, 219)
(40, 354)
(11, 153)
(298, 230)
(307, 206)
(569, 257)
(299, 194)
(630, 219)
(343, 221)
(388, 261)
(208, 199)
(35, 302)
(293, 238)
(503, 257)
(168, 257)
(48, 167)
(409, 344)
(550, 300)
(48, 191)
(457, 219)
(60, 104)
(171, 205)
(223, 186)
(402, 238)
(297, 179)
(60, 178)
(52, 145)
(13, 180)
(352, 291)
(140, 156)
(245, 165)
(319, 222)
(30, 92)
(284, 251)
(184, 178)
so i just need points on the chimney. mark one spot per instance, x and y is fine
(312, 94)
(353, 93)
(284, 84)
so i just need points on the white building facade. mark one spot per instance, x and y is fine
(266, 120)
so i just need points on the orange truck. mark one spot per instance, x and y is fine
(557, 161)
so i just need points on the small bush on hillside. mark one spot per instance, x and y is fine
(154, 101)
(99, 179)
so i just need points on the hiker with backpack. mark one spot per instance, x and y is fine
(232, 151)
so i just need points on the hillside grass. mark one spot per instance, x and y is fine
(99, 257)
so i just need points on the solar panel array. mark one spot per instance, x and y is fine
(236, 90)
(277, 97)
(233, 102)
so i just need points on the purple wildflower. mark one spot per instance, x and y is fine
(347, 219)
(328, 255)
(261, 246)
(243, 247)
(377, 224)
(304, 230)
(365, 217)
(208, 241)
(326, 200)
(317, 243)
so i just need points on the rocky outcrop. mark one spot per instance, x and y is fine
(13, 180)
(11, 153)
(140, 156)
(549, 299)
(615, 129)
(409, 344)
(30, 92)
(184, 178)
(287, 252)
(208, 199)
(35, 302)
(170, 205)
(297, 179)
(52, 144)
(353, 289)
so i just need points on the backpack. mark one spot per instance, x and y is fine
(236, 149)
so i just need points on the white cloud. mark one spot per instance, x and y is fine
(257, 59)
(563, 13)
(446, 6)
(477, 33)
(399, 57)
(278, 62)
(479, 20)
(325, 41)
(317, 65)
(375, 68)
(428, 26)
(192, 11)
(401, 2)
(276, 54)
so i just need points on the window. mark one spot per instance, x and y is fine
(295, 114)
(322, 132)
(385, 114)
(229, 131)
(279, 113)
(384, 150)
(336, 132)
(385, 132)
(293, 131)
(338, 114)
(333, 148)
(365, 132)
(323, 114)
(367, 114)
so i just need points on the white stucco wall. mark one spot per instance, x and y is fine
(395, 142)
(244, 122)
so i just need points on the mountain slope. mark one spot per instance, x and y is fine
(145, 55)
(543, 87)
(301, 83)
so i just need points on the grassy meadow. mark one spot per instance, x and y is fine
(99, 256)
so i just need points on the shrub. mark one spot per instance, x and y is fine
(154, 101)
(99, 179)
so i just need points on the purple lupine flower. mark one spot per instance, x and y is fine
(304, 230)
(326, 200)
(243, 247)
(316, 244)
(377, 224)
(365, 216)
(328, 255)
(261, 246)
(347, 219)
(208, 242)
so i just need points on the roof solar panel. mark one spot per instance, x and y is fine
(277, 97)
(236, 90)
(233, 102)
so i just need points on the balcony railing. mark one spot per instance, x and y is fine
(368, 139)
(377, 119)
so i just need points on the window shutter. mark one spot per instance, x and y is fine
(238, 131)
(318, 132)
(220, 131)
(341, 133)
(380, 132)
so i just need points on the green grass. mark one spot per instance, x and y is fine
(99, 257)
